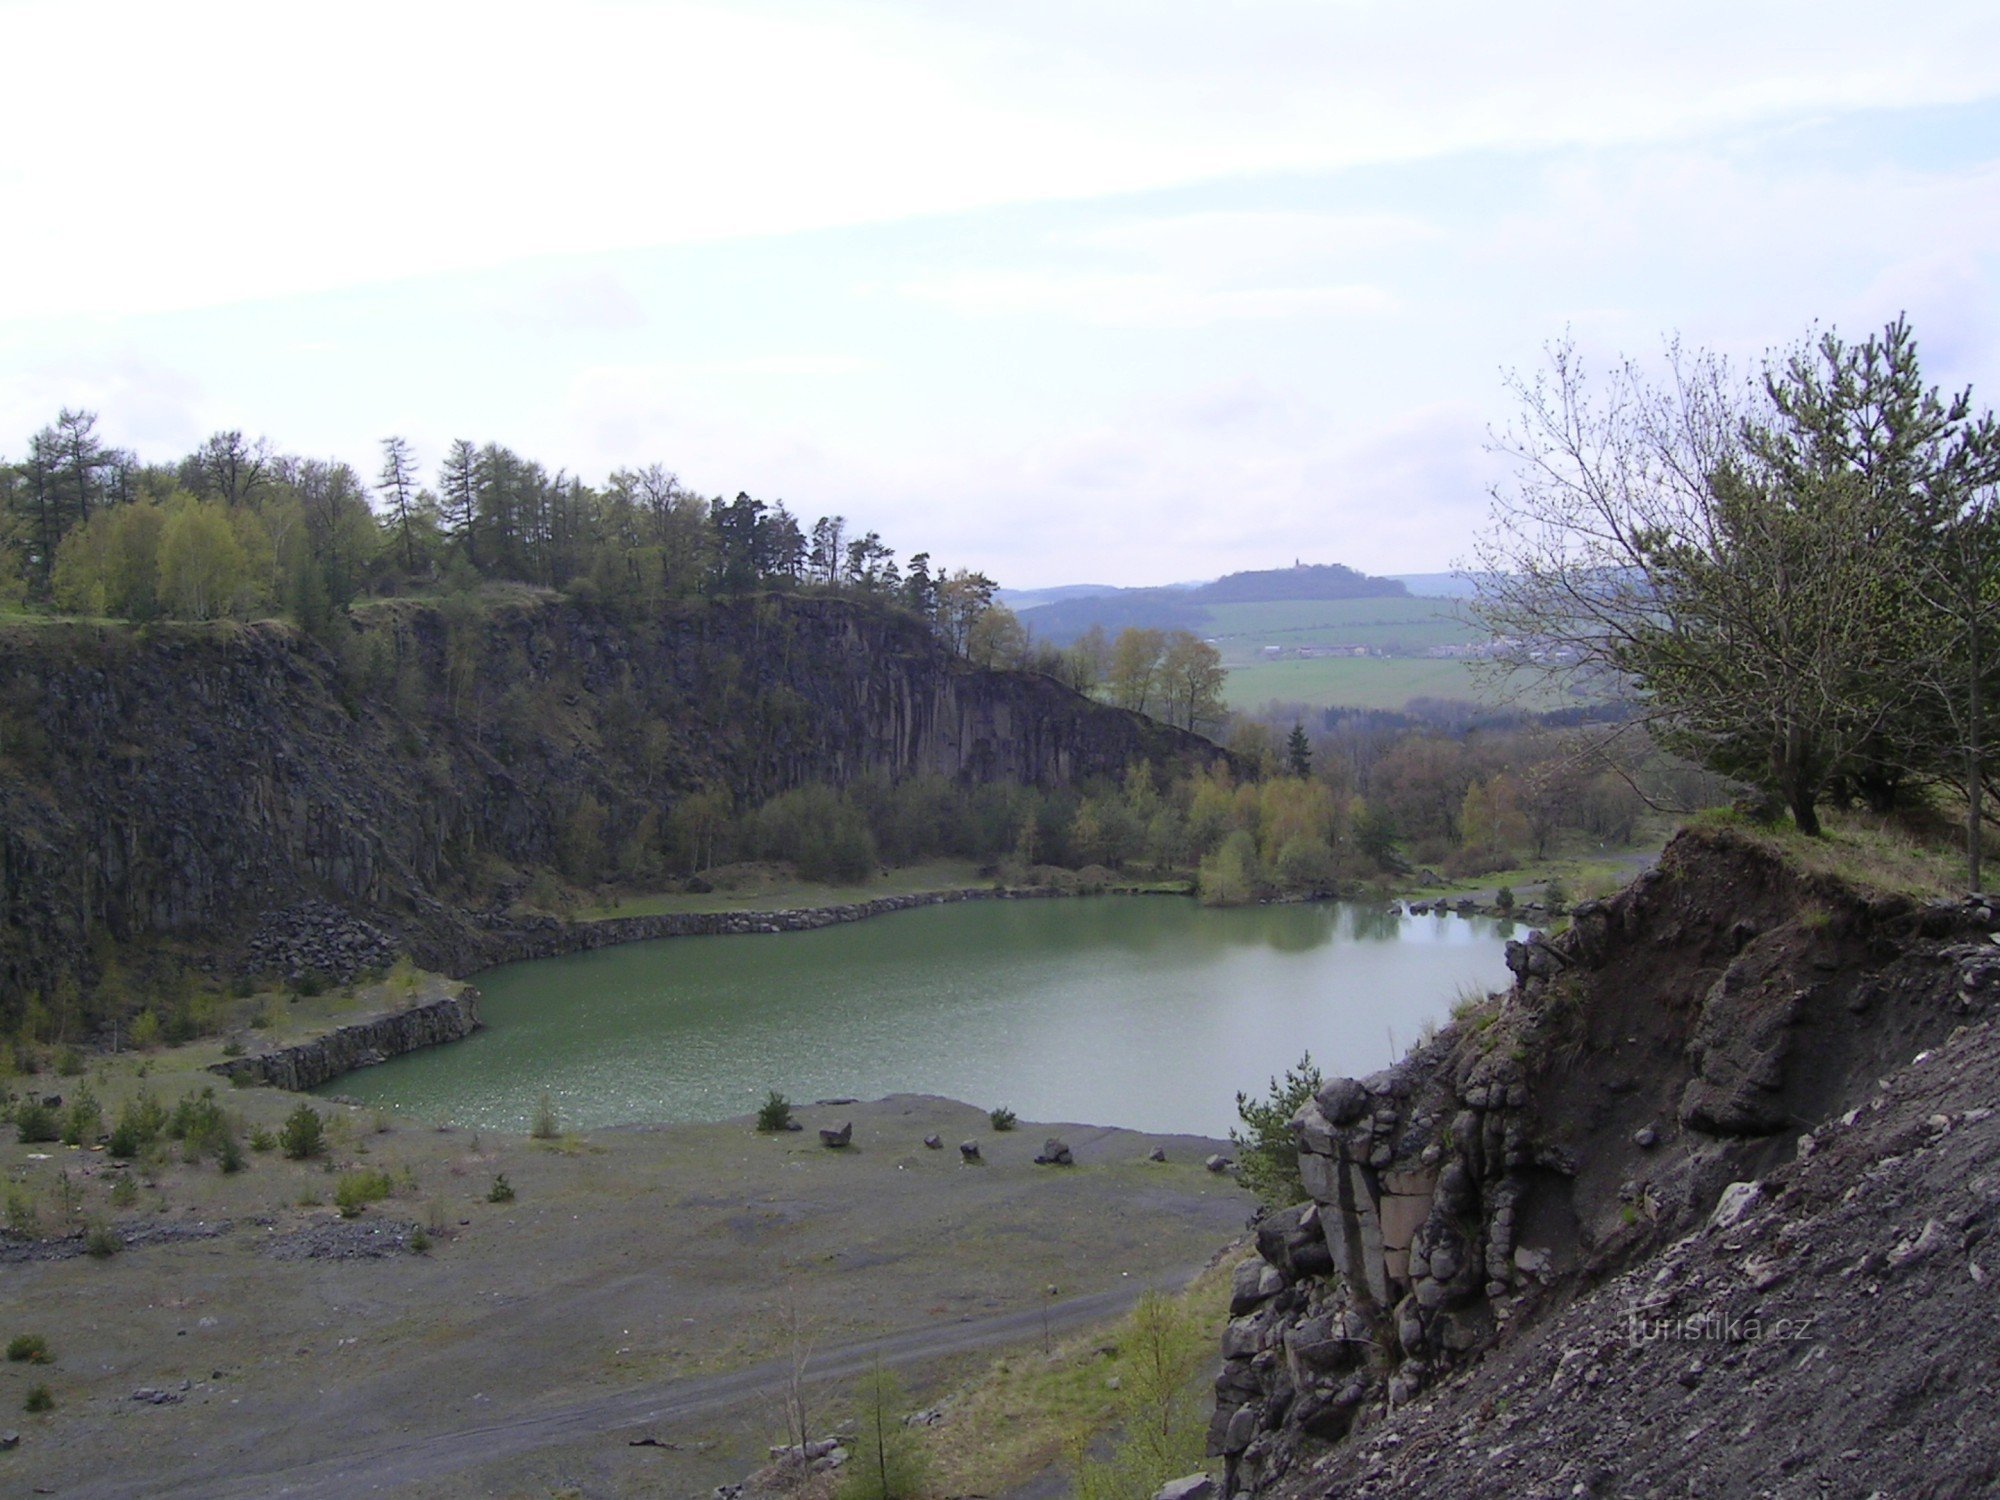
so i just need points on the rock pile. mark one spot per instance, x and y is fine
(317, 937)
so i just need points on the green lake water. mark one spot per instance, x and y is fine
(1149, 1012)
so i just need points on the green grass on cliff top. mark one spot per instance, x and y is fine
(1920, 856)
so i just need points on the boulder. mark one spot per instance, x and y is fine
(1193, 1487)
(1158, 1153)
(969, 1150)
(1055, 1154)
(835, 1139)
(933, 1142)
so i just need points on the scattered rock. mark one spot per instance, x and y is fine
(1737, 1200)
(1055, 1154)
(1158, 1153)
(969, 1150)
(835, 1139)
(1218, 1163)
(933, 1143)
(153, 1396)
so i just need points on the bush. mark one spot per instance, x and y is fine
(124, 1192)
(546, 1127)
(140, 1122)
(1163, 1350)
(889, 1461)
(263, 1140)
(354, 1191)
(39, 1399)
(303, 1135)
(36, 1122)
(1504, 898)
(69, 1062)
(83, 1120)
(145, 1032)
(29, 1348)
(1555, 896)
(502, 1190)
(103, 1241)
(775, 1113)
(1267, 1153)
(1001, 1117)
(204, 1127)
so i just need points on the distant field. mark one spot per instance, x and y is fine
(1242, 631)
(1362, 682)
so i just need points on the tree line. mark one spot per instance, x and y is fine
(238, 529)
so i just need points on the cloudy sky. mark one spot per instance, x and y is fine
(1122, 291)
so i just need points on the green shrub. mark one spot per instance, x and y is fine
(35, 1122)
(84, 1119)
(354, 1191)
(1001, 1117)
(39, 1399)
(102, 1241)
(889, 1460)
(146, 1032)
(1555, 895)
(1267, 1153)
(1162, 1354)
(420, 1242)
(502, 1190)
(22, 1220)
(262, 1140)
(1504, 898)
(124, 1192)
(69, 1062)
(29, 1348)
(775, 1113)
(303, 1135)
(141, 1121)
(546, 1127)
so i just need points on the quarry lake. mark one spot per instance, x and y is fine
(1148, 1012)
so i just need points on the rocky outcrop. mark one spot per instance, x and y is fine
(1674, 1041)
(307, 1065)
(224, 783)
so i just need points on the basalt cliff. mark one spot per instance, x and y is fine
(1704, 1205)
(207, 785)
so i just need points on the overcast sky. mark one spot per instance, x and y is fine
(1121, 291)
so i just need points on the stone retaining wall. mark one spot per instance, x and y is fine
(307, 1065)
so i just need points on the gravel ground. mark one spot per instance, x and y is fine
(637, 1275)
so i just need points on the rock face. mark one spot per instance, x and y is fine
(1461, 1198)
(222, 783)
(362, 1044)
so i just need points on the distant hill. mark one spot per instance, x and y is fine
(1301, 581)
(1180, 607)
(1020, 599)
(1439, 585)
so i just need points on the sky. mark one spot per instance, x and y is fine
(1112, 291)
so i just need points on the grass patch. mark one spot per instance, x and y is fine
(1033, 1409)
(29, 1348)
(1870, 850)
(760, 887)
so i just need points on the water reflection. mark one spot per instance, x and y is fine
(1137, 1011)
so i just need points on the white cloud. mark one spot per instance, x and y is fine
(1139, 300)
(230, 150)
